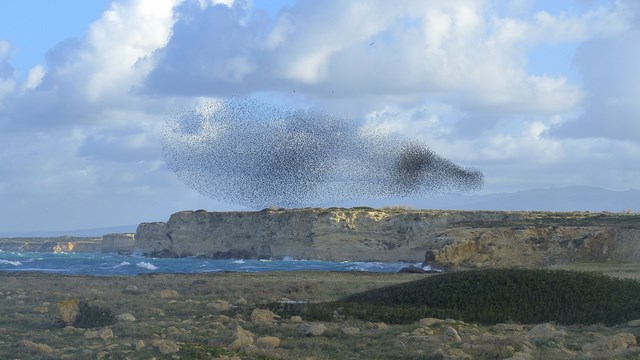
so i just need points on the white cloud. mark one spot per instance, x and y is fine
(34, 77)
(7, 73)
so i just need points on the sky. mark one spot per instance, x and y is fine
(535, 94)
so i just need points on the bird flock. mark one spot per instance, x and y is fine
(256, 154)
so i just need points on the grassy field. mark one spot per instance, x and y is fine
(196, 317)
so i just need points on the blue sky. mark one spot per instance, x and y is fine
(535, 94)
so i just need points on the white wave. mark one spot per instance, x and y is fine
(265, 260)
(146, 265)
(288, 258)
(124, 263)
(9, 262)
(240, 261)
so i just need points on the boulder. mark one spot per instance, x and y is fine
(131, 290)
(314, 329)
(242, 339)
(430, 321)
(617, 342)
(268, 342)
(104, 334)
(350, 330)
(125, 317)
(508, 327)
(220, 305)
(68, 311)
(166, 346)
(451, 335)
(169, 293)
(36, 347)
(544, 332)
(265, 317)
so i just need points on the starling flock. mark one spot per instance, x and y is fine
(256, 154)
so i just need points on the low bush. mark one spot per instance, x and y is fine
(92, 316)
(489, 297)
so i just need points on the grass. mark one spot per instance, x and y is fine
(490, 297)
(203, 332)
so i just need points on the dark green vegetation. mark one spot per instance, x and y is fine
(489, 297)
(515, 219)
(92, 316)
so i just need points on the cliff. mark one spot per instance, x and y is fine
(52, 244)
(121, 243)
(455, 239)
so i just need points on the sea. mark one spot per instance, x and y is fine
(130, 265)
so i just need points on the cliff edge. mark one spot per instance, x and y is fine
(452, 239)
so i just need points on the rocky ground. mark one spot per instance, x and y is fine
(191, 317)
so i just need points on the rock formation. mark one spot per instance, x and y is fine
(453, 239)
(118, 243)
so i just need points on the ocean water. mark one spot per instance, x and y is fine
(122, 265)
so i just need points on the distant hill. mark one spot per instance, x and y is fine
(577, 198)
(75, 233)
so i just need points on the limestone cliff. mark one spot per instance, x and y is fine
(121, 243)
(446, 238)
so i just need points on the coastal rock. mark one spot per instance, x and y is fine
(68, 311)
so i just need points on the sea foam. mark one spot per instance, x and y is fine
(10, 262)
(146, 265)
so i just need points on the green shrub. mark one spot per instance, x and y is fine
(91, 316)
(491, 296)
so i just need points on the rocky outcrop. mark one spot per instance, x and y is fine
(443, 238)
(120, 243)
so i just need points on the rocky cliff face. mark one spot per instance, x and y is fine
(445, 238)
(121, 243)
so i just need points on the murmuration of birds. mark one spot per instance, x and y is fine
(256, 154)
